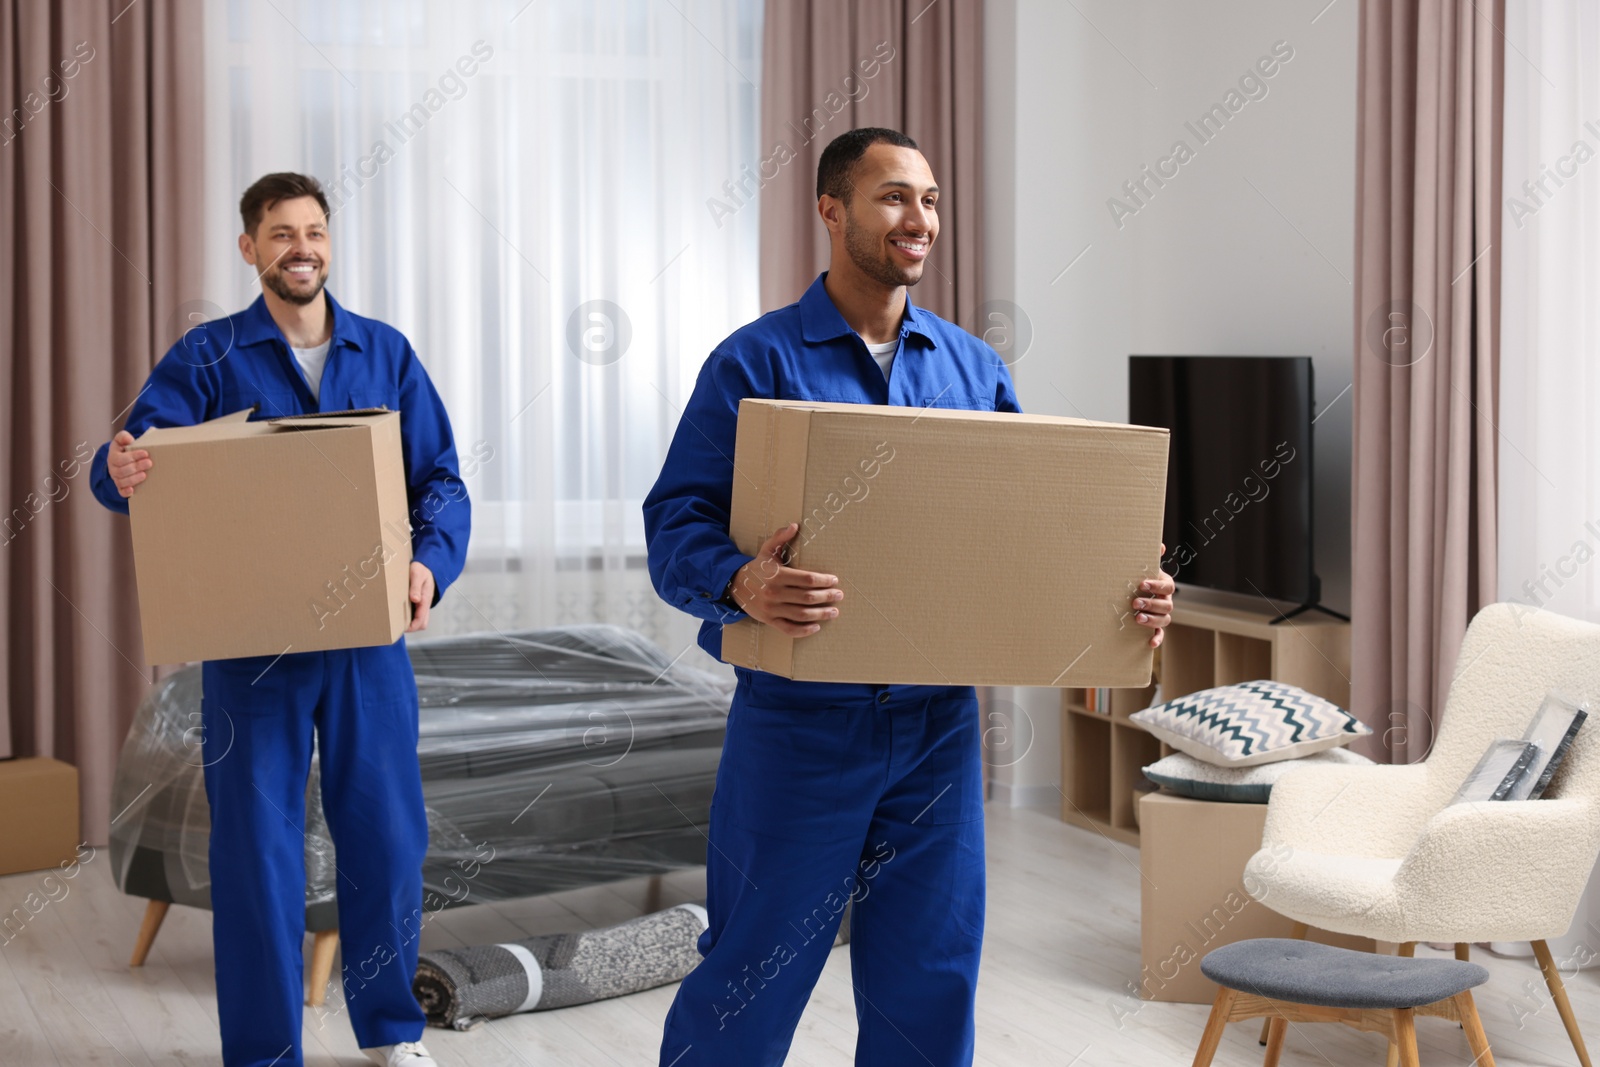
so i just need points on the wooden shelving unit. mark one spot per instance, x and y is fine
(1208, 644)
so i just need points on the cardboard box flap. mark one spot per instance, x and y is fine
(236, 424)
(961, 414)
(318, 420)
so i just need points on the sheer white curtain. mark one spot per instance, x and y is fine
(1550, 331)
(522, 189)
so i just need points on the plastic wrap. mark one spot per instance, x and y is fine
(551, 759)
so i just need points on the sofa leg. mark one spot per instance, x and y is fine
(1463, 952)
(321, 965)
(1298, 933)
(154, 912)
(652, 895)
(1558, 993)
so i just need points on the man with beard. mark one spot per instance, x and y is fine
(296, 351)
(829, 794)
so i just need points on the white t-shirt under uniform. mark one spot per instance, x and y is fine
(884, 354)
(311, 361)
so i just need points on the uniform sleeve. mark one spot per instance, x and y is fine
(692, 557)
(181, 391)
(441, 513)
(1005, 393)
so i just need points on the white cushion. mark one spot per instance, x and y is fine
(1251, 723)
(1190, 777)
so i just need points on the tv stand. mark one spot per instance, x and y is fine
(1303, 608)
(1314, 603)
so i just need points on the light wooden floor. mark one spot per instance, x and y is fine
(1063, 938)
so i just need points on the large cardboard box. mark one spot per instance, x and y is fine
(38, 814)
(260, 538)
(973, 547)
(1194, 896)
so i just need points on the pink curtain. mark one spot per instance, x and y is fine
(832, 65)
(100, 192)
(1427, 354)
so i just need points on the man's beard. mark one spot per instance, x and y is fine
(275, 280)
(863, 249)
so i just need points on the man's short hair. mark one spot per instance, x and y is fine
(837, 166)
(270, 189)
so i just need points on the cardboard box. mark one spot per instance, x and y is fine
(39, 828)
(973, 547)
(260, 538)
(1193, 896)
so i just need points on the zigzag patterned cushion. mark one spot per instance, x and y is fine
(1251, 723)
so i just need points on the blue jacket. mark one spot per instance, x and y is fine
(805, 351)
(244, 361)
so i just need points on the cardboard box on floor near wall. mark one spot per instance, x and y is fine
(973, 547)
(38, 814)
(1193, 896)
(260, 538)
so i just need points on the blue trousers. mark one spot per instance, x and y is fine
(258, 716)
(875, 802)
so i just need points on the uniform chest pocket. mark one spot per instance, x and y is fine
(264, 403)
(958, 401)
(374, 396)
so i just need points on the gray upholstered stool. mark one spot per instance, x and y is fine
(1302, 981)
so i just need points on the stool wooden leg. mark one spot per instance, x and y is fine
(1277, 1026)
(154, 912)
(1476, 1040)
(1405, 1037)
(1407, 949)
(1297, 933)
(1213, 1033)
(321, 965)
(1558, 993)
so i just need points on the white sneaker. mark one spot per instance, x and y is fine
(405, 1054)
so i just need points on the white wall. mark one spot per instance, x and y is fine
(1246, 251)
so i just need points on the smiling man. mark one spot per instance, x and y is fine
(295, 351)
(834, 793)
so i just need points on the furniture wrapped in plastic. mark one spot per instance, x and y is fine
(551, 759)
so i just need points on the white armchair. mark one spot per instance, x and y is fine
(1381, 852)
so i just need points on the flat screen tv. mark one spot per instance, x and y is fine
(1239, 476)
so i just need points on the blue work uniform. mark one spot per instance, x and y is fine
(827, 793)
(259, 713)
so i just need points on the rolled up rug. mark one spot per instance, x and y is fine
(460, 987)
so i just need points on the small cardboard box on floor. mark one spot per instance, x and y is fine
(40, 829)
(973, 547)
(259, 538)
(1193, 893)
